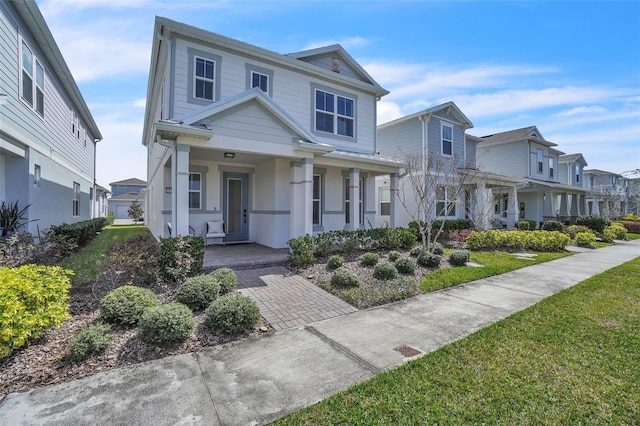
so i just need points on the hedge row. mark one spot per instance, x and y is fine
(81, 233)
(518, 240)
(631, 226)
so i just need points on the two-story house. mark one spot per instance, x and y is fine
(275, 146)
(123, 193)
(441, 179)
(526, 155)
(608, 193)
(571, 172)
(47, 133)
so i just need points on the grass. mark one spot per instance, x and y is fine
(495, 263)
(631, 236)
(573, 358)
(86, 263)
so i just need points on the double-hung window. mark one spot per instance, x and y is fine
(445, 205)
(447, 140)
(550, 167)
(260, 80)
(195, 190)
(317, 200)
(334, 114)
(347, 201)
(385, 201)
(204, 78)
(577, 167)
(32, 80)
(76, 199)
(540, 159)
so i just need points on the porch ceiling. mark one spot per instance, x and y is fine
(218, 155)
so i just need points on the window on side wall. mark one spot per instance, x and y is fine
(577, 167)
(317, 200)
(550, 167)
(76, 199)
(540, 159)
(195, 190)
(204, 78)
(36, 175)
(445, 205)
(385, 201)
(334, 114)
(447, 139)
(32, 80)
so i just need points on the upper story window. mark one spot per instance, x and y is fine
(577, 169)
(447, 139)
(260, 80)
(540, 159)
(204, 78)
(259, 77)
(613, 180)
(32, 80)
(550, 167)
(334, 114)
(195, 190)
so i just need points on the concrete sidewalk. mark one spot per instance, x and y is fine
(255, 381)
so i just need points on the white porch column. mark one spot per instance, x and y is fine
(307, 195)
(513, 211)
(596, 207)
(575, 207)
(354, 200)
(564, 204)
(180, 192)
(583, 205)
(301, 200)
(548, 208)
(483, 209)
(394, 202)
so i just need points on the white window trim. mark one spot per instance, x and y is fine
(380, 190)
(442, 139)
(446, 200)
(335, 113)
(199, 191)
(577, 172)
(34, 78)
(210, 80)
(254, 73)
(552, 169)
(318, 200)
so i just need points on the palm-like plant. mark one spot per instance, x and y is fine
(12, 217)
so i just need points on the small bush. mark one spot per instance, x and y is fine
(596, 223)
(227, 279)
(523, 225)
(552, 225)
(619, 230)
(394, 255)
(436, 248)
(344, 278)
(335, 262)
(573, 230)
(631, 226)
(232, 313)
(166, 323)
(417, 251)
(198, 292)
(135, 260)
(385, 271)
(459, 258)
(125, 305)
(369, 259)
(404, 265)
(608, 235)
(429, 260)
(89, 341)
(585, 239)
(32, 298)
(180, 257)
(302, 250)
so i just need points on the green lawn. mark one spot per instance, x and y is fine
(633, 236)
(573, 358)
(494, 263)
(86, 263)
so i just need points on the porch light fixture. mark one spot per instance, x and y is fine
(167, 190)
(229, 155)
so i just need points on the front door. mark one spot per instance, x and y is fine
(235, 196)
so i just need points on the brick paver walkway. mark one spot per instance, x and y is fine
(287, 300)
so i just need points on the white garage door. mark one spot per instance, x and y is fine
(122, 212)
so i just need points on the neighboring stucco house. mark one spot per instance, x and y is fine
(123, 193)
(435, 140)
(609, 193)
(526, 155)
(276, 146)
(47, 133)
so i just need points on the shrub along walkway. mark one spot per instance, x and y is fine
(258, 380)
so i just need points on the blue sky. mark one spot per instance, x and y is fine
(570, 68)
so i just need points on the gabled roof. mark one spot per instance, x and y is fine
(251, 95)
(452, 107)
(130, 181)
(600, 172)
(39, 30)
(517, 135)
(572, 158)
(339, 51)
(129, 196)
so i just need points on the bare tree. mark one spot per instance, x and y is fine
(432, 188)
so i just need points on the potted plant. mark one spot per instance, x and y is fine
(12, 217)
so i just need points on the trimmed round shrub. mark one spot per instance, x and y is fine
(344, 278)
(459, 257)
(89, 341)
(523, 225)
(552, 225)
(227, 279)
(596, 223)
(417, 251)
(394, 255)
(166, 323)
(385, 271)
(335, 262)
(198, 292)
(125, 304)
(404, 265)
(619, 230)
(232, 313)
(573, 230)
(585, 239)
(369, 259)
(429, 260)
(436, 248)
(608, 235)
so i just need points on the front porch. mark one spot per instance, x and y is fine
(242, 256)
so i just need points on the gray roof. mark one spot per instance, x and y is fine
(454, 108)
(129, 196)
(130, 181)
(572, 158)
(513, 135)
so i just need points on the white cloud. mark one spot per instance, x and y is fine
(139, 103)
(347, 43)
(582, 110)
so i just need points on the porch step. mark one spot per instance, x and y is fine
(241, 266)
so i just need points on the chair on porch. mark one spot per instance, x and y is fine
(215, 230)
